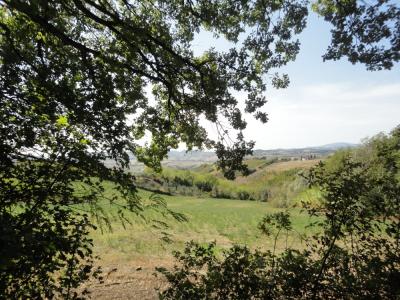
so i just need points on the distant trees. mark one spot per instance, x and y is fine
(74, 87)
(280, 188)
(73, 93)
(355, 254)
(205, 186)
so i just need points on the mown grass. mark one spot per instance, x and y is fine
(225, 221)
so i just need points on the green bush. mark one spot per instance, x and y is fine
(263, 195)
(183, 181)
(243, 195)
(205, 186)
(217, 193)
(354, 255)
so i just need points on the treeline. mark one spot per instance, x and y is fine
(355, 254)
(278, 187)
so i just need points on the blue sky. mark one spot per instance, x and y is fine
(326, 102)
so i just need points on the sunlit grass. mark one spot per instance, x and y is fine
(225, 221)
(276, 182)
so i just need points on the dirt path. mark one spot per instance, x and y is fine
(133, 280)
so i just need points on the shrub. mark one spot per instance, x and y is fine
(354, 255)
(263, 195)
(183, 181)
(205, 186)
(243, 195)
(217, 193)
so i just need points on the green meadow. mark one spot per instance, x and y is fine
(208, 219)
(280, 183)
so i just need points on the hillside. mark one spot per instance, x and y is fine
(209, 201)
(192, 159)
(275, 181)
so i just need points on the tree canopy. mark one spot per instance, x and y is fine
(84, 80)
(363, 31)
(88, 63)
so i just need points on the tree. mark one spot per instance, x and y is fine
(75, 76)
(111, 51)
(363, 31)
(355, 253)
(73, 93)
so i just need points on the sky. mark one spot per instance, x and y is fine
(326, 102)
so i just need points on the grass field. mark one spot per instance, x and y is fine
(225, 221)
(277, 182)
(129, 255)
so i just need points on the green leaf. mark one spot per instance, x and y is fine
(62, 121)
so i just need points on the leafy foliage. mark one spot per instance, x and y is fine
(81, 59)
(355, 254)
(280, 187)
(363, 31)
(74, 92)
(75, 76)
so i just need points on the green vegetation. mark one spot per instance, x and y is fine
(280, 183)
(224, 221)
(73, 93)
(85, 81)
(354, 251)
(209, 217)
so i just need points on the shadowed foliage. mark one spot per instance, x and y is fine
(74, 88)
(366, 32)
(354, 254)
(83, 81)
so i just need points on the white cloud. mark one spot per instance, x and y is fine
(326, 113)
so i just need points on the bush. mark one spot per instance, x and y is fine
(355, 254)
(183, 181)
(243, 195)
(217, 193)
(263, 196)
(205, 186)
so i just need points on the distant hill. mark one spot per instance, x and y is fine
(192, 155)
(337, 146)
(210, 156)
(187, 160)
(317, 151)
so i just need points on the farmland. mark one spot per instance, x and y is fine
(129, 253)
(225, 221)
